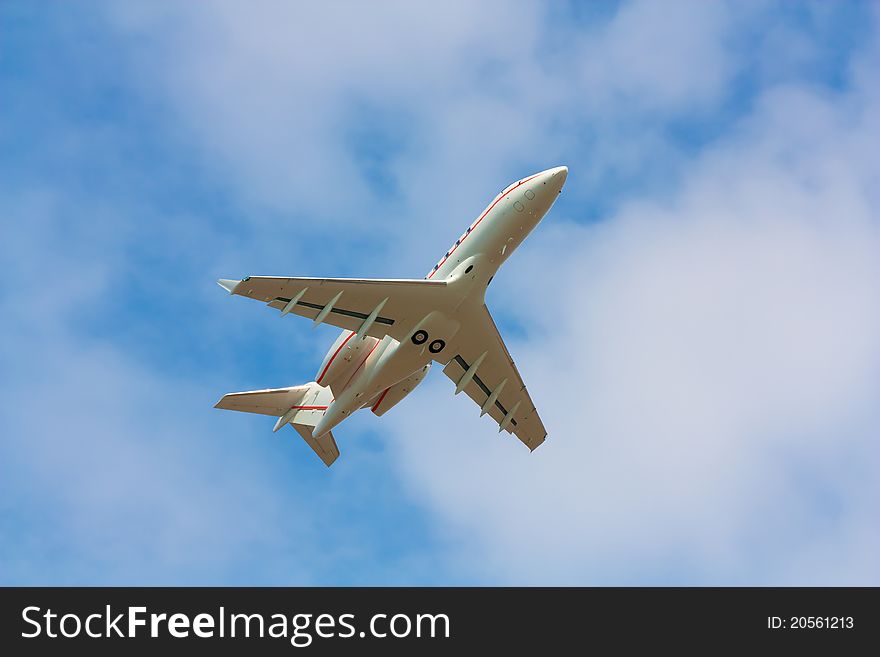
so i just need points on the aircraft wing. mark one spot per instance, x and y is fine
(388, 306)
(495, 384)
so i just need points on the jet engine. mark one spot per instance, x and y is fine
(391, 396)
(342, 358)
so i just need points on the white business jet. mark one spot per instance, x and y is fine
(393, 330)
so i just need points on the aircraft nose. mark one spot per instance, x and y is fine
(542, 190)
(561, 173)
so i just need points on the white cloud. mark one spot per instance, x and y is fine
(708, 368)
(707, 357)
(473, 94)
(659, 56)
(267, 89)
(108, 472)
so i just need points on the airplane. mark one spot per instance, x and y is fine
(393, 330)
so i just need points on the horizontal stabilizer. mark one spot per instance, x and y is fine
(276, 401)
(300, 406)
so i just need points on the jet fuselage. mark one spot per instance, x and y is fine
(377, 373)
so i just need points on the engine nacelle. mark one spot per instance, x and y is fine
(391, 396)
(342, 358)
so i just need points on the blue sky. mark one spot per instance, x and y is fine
(697, 318)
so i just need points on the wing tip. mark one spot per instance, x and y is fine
(228, 284)
(225, 400)
(537, 444)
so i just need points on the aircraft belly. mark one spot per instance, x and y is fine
(428, 341)
(396, 364)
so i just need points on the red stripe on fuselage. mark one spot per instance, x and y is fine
(506, 191)
(335, 353)
(309, 408)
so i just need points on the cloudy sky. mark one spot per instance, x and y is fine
(698, 318)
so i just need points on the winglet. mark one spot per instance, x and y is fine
(228, 285)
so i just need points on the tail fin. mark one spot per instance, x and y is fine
(302, 406)
(324, 446)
